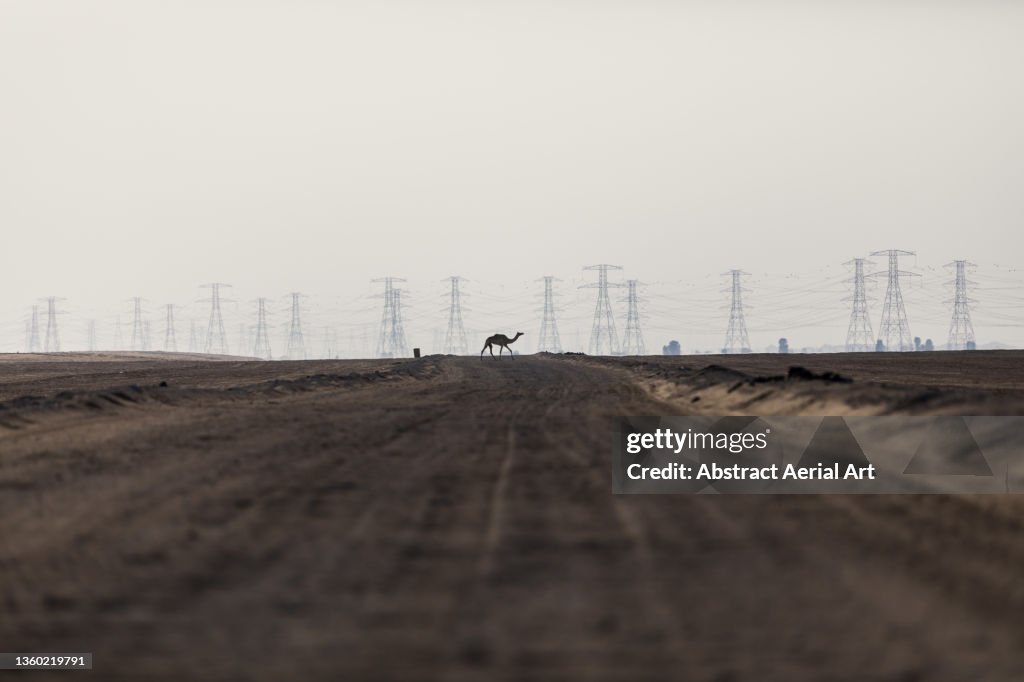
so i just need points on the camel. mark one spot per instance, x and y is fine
(502, 341)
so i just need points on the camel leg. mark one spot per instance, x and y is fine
(491, 348)
(486, 345)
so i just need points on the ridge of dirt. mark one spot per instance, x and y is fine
(781, 385)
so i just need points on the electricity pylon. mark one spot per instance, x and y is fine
(455, 342)
(170, 337)
(401, 348)
(633, 343)
(193, 337)
(548, 340)
(243, 337)
(261, 348)
(961, 331)
(216, 337)
(859, 336)
(603, 338)
(52, 343)
(90, 335)
(33, 334)
(894, 329)
(138, 333)
(330, 343)
(736, 340)
(391, 339)
(296, 341)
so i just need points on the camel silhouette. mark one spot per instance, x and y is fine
(502, 342)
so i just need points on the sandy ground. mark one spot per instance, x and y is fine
(451, 519)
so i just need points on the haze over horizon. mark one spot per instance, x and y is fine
(146, 148)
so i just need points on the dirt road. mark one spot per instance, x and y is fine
(452, 519)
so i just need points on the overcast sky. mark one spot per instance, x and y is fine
(147, 147)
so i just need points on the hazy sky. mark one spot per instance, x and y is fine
(147, 147)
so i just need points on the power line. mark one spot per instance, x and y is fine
(961, 331)
(243, 338)
(603, 338)
(216, 337)
(894, 330)
(261, 348)
(52, 343)
(193, 337)
(391, 338)
(138, 333)
(859, 336)
(33, 335)
(330, 343)
(401, 350)
(549, 341)
(170, 337)
(634, 339)
(296, 342)
(736, 340)
(455, 342)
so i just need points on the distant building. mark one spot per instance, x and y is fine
(672, 348)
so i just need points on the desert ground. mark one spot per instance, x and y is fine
(446, 518)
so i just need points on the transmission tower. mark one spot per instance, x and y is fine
(52, 344)
(961, 331)
(33, 334)
(455, 338)
(603, 338)
(193, 337)
(330, 344)
(138, 333)
(243, 337)
(90, 335)
(296, 342)
(401, 350)
(633, 342)
(391, 339)
(216, 338)
(894, 330)
(859, 337)
(548, 341)
(736, 340)
(261, 348)
(170, 337)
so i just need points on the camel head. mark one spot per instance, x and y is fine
(518, 334)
